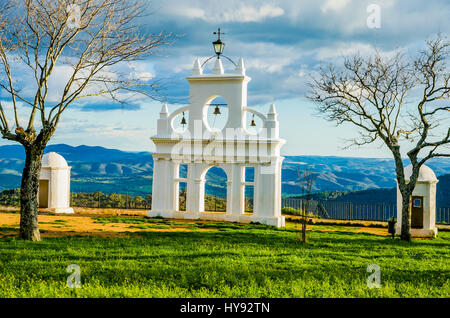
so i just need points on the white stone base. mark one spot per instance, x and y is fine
(61, 210)
(419, 232)
(218, 216)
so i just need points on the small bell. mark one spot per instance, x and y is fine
(183, 120)
(253, 124)
(217, 110)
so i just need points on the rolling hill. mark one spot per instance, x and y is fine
(109, 170)
(385, 195)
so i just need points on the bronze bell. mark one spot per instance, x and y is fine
(217, 110)
(252, 124)
(183, 120)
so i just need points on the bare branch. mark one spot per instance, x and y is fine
(91, 37)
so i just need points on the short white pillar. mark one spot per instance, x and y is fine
(54, 184)
(423, 204)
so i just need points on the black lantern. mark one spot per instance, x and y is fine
(217, 110)
(218, 45)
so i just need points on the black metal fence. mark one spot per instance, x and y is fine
(322, 209)
(351, 211)
(114, 200)
(443, 215)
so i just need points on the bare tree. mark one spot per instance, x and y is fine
(393, 99)
(90, 40)
(307, 179)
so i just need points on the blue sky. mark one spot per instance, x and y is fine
(282, 43)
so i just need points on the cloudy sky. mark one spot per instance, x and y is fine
(282, 42)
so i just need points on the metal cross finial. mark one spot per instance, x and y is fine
(218, 33)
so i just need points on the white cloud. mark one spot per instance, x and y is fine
(192, 13)
(343, 49)
(241, 13)
(269, 65)
(334, 5)
(252, 14)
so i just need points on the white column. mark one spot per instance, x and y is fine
(196, 196)
(256, 189)
(229, 197)
(190, 188)
(171, 186)
(429, 221)
(237, 191)
(195, 201)
(158, 185)
(268, 194)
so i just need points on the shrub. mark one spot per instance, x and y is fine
(290, 211)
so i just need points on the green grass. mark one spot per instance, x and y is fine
(229, 260)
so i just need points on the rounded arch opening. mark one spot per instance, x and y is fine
(253, 121)
(215, 113)
(177, 123)
(215, 189)
(176, 119)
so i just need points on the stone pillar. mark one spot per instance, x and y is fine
(190, 189)
(157, 188)
(237, 191)
(170, 186)
(268, 194)
(256, 189)
(229, 197)
(195, 202)
(196, 197)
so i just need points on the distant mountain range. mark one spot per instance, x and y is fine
(109, 170)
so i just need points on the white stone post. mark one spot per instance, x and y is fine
(157, 194)
(268, 187)
(229, 197)
(171, 186)
(237, 191)
(195, 202)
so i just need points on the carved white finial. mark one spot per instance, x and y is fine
(197, 70)
(272, 109)
(272, 114)
(218, 67)
(164, 113)
(240, 69)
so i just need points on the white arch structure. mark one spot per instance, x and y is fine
(232, 149)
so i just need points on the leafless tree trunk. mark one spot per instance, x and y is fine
(91, 38)
(393, 99)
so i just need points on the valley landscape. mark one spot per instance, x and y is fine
(98, 169)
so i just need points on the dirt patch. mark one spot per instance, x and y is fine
(85, 223)
(341, 228)
(318, 221)
(70, 225)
